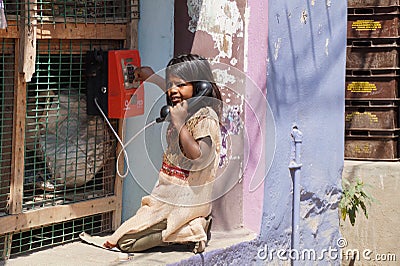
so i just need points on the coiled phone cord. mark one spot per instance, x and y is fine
(123, 146)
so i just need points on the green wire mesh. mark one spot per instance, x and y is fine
(59, 233)
(71, 11)
(69, 155)
(4, 248)
(7, 65)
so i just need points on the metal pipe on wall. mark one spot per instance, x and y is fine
(295, 170)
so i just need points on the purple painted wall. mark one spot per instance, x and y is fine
(306, 72)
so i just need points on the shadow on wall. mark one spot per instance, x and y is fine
(304, 64)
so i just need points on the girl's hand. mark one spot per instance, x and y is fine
(147, 74)
(178, 114)
(143, 73)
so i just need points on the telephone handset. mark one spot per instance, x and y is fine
(202, 89)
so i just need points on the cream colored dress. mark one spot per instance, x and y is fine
(183, 202)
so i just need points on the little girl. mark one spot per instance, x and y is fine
(178, 209)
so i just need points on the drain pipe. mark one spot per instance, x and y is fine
(295, 170)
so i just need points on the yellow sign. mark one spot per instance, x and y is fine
(364, 149)
(361, 86)
(366, 24)
(358, 115)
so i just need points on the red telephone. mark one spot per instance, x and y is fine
(125, 95)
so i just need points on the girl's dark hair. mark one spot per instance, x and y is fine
(194, 68)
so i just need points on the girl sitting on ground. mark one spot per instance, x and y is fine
(179, 207)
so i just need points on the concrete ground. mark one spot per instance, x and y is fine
(79, 253)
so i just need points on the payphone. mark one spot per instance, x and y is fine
(111, 83)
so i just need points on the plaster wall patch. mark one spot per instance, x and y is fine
(223, 77)
(223, 21)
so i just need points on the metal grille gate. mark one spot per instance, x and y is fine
(57, 164)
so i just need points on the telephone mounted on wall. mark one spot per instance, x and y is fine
(111, 83)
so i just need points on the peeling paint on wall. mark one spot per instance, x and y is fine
(194, 7)
(246, 39)
(223, 77)
(326, 47)
(303, 18)
(277, 46)
(231, 86)
(222, 21)
(233, 61)
(319, 29)
(232, 125)
(328, 3)
(232, 120)
(313, 204)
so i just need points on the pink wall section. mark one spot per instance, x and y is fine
(245, 49)
(257, 33)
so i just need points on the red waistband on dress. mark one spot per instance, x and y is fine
(175, 171)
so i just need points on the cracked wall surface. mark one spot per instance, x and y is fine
(218, 34)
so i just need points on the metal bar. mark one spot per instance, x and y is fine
(295, 167)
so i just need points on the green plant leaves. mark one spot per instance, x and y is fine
(354, 197)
